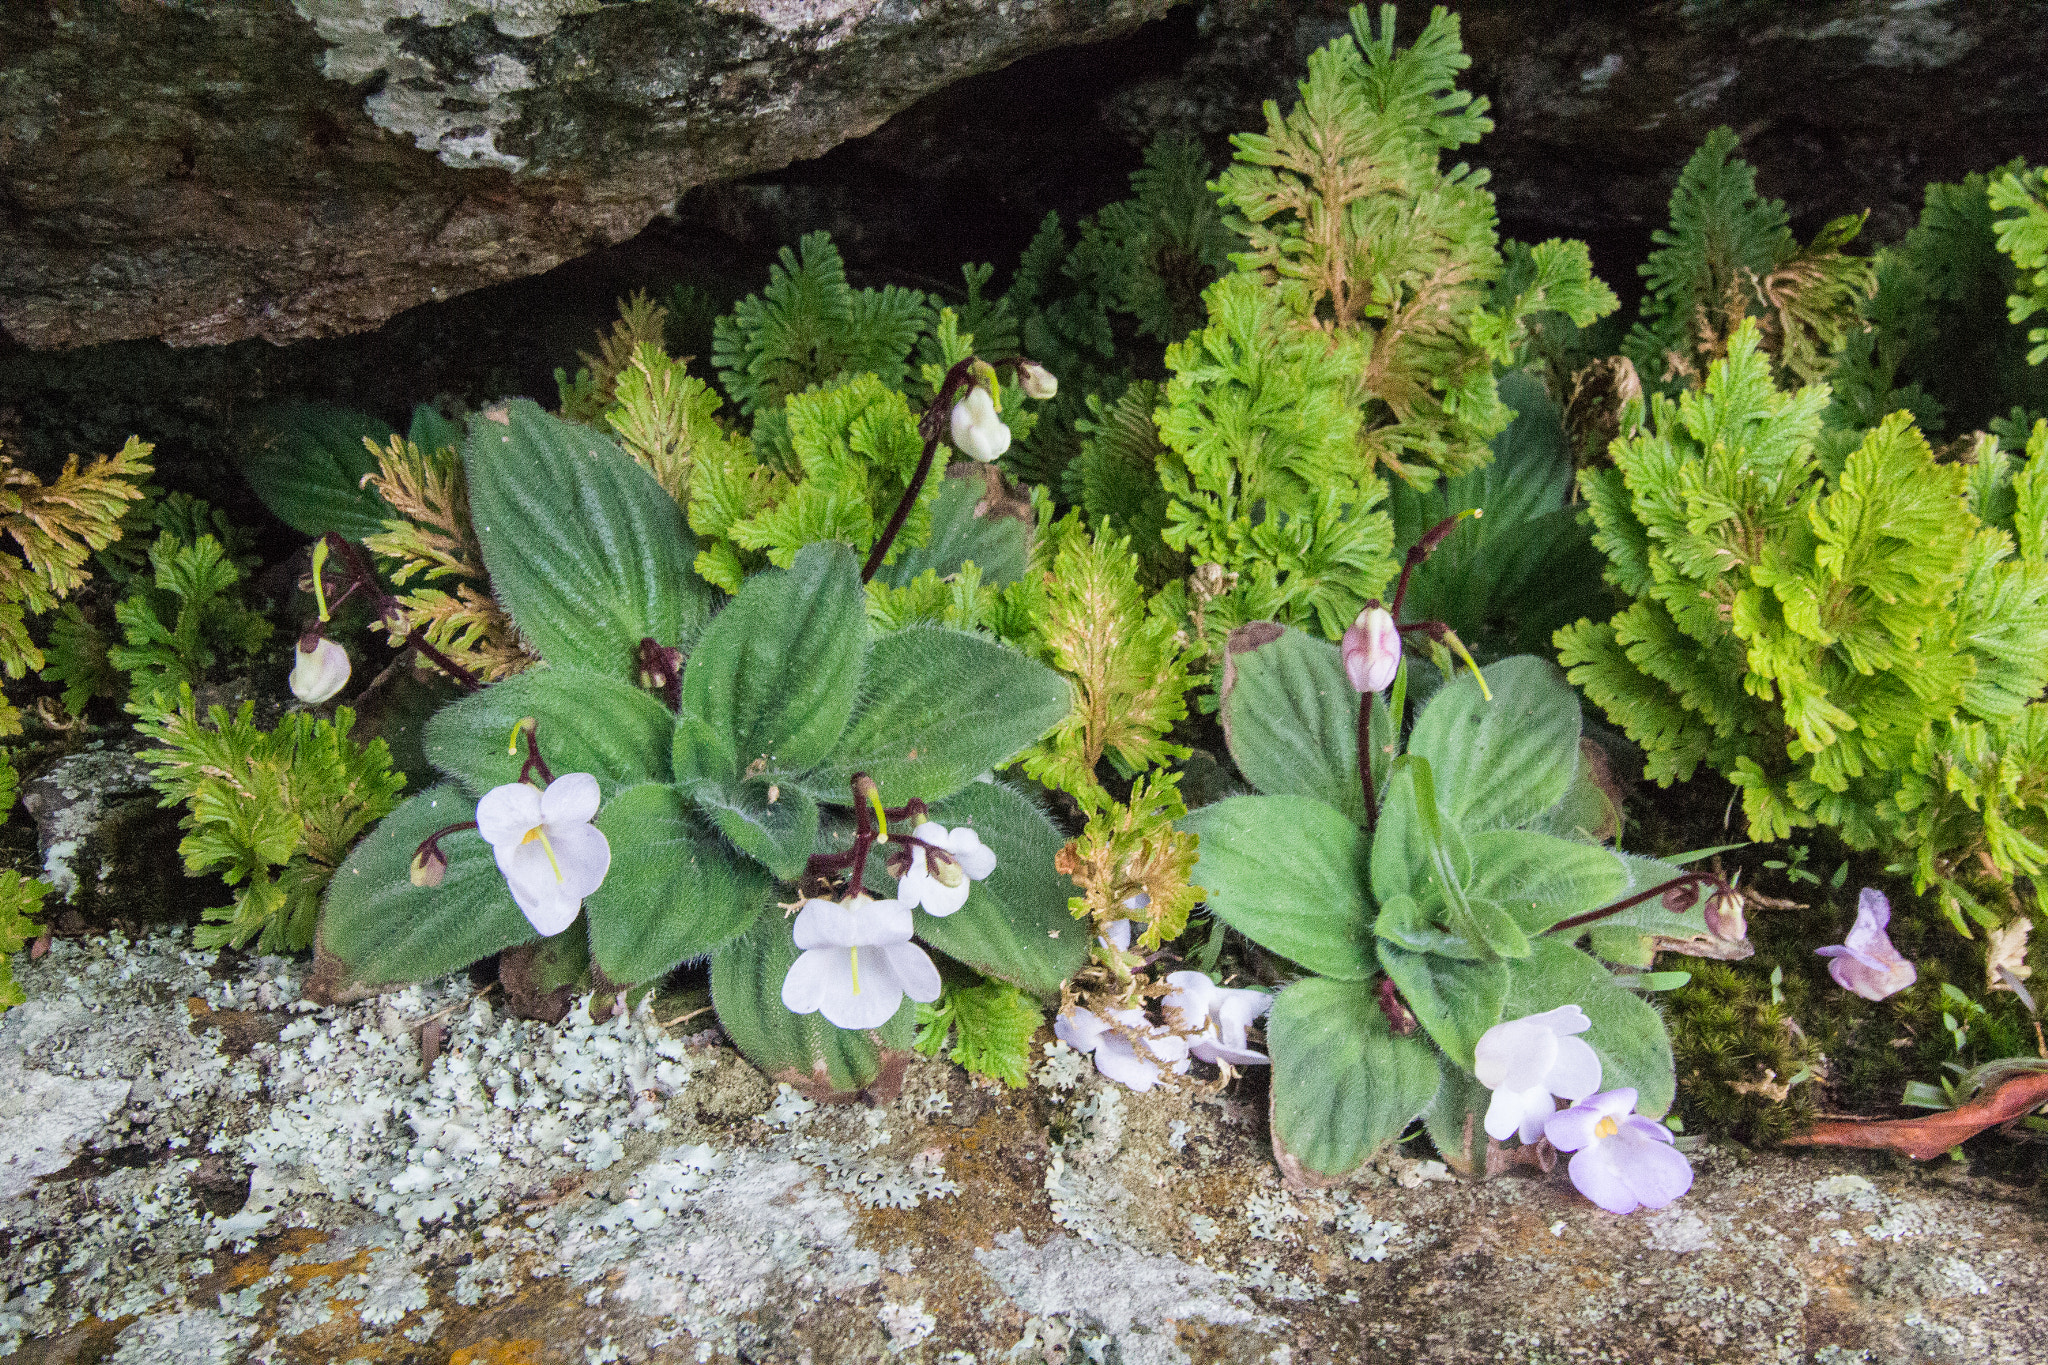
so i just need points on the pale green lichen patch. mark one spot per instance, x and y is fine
(720, 1218)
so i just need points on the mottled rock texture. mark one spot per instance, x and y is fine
(208, 170)
(209, 1170)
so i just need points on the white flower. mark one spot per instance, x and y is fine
(1116, 934)
(550, 853)
(1216, 1017)
(940, 884)
(1116, 1055)
(852, 989)
(1526, 1061)
(320, 672)
(1036, 380)
(976, 428)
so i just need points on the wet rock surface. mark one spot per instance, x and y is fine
(239, 1175)
(208, 172)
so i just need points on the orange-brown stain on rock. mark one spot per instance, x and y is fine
(491, 1351)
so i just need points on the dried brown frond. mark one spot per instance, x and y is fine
(434, 542)
(57, 526)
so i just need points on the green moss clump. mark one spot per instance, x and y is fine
(1738, 1055)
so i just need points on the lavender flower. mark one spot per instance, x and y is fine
(1866, 962)
(1623, 1161)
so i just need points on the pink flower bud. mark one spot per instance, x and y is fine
(429, 866)
(1372, 650)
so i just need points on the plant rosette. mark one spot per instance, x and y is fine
(1461, 907)
(718, 791)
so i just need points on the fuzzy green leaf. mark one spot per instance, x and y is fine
(1288, 872)
(587, 723)
(938, 709)
(1344, 1085)
(1290, 715)
(307, 461)
(774, 824)
(773, 680)
(585, 550)
(674, 892)
(1501, 763)
(1456, 1000)
(387, 930)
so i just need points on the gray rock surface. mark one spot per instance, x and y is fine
(218, 169)
(285, 1183)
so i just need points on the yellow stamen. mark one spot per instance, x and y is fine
(854, 955)
(320, 575)
(881, 815)
(540, 832)
(1606, 1128)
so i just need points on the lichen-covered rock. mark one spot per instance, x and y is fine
(300, 1185)
(210, 171)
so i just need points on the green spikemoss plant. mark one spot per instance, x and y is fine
(1853, 641)
(747, 754)
(1441, 891)
(1357, 335)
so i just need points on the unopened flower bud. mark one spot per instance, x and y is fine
(1724, 915)
(1372, 650)
(944, 870)
(1036, 380)
(320, 670)
(429, 866)
(977, 431)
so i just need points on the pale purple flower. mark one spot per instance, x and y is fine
(1119, 1057)
(1527, 1061)
(858, 963)
(1215, 1018)
(940, 884)
(319, 670)
(1116, 934)
(1866, 962)
(1624, 1161)
(546, 847)
(1371, 650)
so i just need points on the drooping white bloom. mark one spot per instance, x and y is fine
(550, 853)
(1526, 1061)
(858, 963)
(320, 672)
(1216, 1017)
(1116, 934)
(939, 885)
(1134, 1064)
(976, 428)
